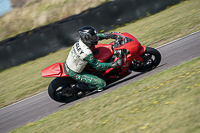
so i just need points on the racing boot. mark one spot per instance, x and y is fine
(100, 90)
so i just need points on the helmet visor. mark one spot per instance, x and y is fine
(94, 38)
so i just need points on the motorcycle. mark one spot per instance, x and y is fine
(135, 57)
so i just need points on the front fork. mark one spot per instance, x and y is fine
(127, 61)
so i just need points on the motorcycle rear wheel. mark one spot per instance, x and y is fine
(55, 90)
(151, 57)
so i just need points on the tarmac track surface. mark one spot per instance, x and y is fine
(40, 106)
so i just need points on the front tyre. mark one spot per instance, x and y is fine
(151, 57)
(57, 88)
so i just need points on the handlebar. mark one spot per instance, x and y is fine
(120, 54)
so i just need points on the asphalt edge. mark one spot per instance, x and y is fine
(178, 39)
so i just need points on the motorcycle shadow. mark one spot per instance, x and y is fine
(123, 80)
(116, 83)
(110, 86)
(92, 94)
(131, 77)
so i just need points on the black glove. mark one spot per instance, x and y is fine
(110, 36)
(116, 63)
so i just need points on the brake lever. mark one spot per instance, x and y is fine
(126, 64)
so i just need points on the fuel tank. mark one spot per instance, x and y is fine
(102, 52)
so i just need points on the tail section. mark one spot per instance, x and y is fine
(55, 70)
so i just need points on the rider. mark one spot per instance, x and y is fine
(80, 55)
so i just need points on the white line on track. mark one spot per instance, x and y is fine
(178, 39)
(22, 100)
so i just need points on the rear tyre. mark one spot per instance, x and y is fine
(151, 57)
(58, 86)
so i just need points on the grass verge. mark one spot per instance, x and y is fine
(25, 80)
(41, 12)
(170, 24)
(169, 105)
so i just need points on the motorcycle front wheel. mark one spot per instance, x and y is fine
(151, 57)
(58, 87)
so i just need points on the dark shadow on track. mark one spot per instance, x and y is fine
(113, 84)
(126, 79)
(134, 76)
(161, 65)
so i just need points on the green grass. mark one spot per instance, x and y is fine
(25, 80)
(175, 22)
(166, 102)
(38, 13)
